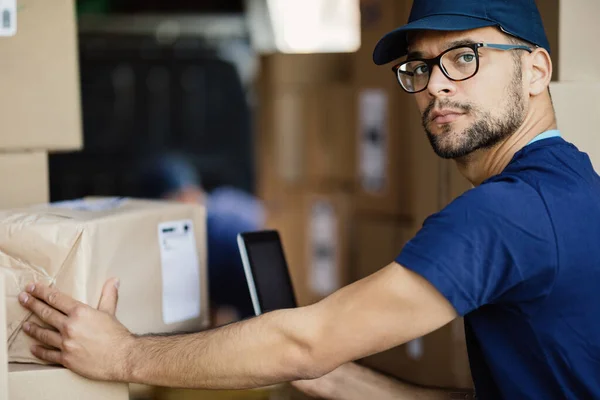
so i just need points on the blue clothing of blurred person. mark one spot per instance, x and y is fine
(229, 212)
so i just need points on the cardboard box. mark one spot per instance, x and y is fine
(578, 115)
(156, 249)
(578, 32)
(378, 17)
(39, 77)
(439, 359)
(549, 11)
(306, 69)
(24, 179)
(40, 382)
(315, 229)
(307, 139)
(3, 345)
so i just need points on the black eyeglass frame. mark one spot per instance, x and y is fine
(432, 62)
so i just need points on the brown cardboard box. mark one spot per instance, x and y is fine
(378, 17)
(331, 142)
(578, 33)
(157, 249)
(438, 359)
(307, 138)
(578, 115)
(3, 346)
(397, 171)
(306, 69)
(549, 11)
(40, 382)
(315, 229)
(24, 179)
(39, 78)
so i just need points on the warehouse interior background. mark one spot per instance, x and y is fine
(280, 101)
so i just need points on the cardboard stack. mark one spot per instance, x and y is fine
(306, 164)
(576, 91)
(158, 250)
(40, 107)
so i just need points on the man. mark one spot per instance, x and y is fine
(517, 256)
(229, 211)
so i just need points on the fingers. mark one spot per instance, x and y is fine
(110, 296)
(53, 297)
(45, 336)
(46, 313)
(52, 356)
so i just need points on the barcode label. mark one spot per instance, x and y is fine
(8, 17)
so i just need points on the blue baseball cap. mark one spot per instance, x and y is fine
(519, 18)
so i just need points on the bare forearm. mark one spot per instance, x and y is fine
(355, 382)
(254, 353)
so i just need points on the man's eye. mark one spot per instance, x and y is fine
(421, 70)
(466, 58)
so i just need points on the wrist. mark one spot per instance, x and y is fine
(127, 361)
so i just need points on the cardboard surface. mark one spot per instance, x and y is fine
(24, 179)
(77, 246)
(307, 137)
(307, 69)
(3, 345)
(26, 382)
(39, 77)
(578, 33)
(378, 17)
(578, 115)
(315, 228)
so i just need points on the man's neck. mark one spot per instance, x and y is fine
(485, 163)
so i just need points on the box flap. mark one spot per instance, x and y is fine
(20, 264)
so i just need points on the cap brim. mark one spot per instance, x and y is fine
(394, 45)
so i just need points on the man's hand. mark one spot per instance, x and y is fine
(90, 342)
(355, 382)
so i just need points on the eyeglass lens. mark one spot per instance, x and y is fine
(457, 64)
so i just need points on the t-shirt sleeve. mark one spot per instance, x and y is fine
(494, 244)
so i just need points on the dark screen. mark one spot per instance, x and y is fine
(271, 275)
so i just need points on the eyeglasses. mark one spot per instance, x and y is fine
(457, 63)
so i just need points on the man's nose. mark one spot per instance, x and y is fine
(439, 84)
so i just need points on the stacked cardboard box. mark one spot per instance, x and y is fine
(41, 114)
(77, 245)
(306, 153)
(575, 93)
(40, 107)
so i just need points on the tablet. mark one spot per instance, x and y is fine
(266, 271)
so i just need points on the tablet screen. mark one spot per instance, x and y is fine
(269, 271)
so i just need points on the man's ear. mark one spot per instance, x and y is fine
(540, 68)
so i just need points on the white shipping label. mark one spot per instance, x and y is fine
(323, 278)
(8, 17)
(373, 140)
(180, 271)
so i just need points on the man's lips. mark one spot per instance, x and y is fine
(445, 116)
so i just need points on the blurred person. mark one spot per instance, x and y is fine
(516, 256)
(229, 211)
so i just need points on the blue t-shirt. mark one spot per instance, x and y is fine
(519, 257)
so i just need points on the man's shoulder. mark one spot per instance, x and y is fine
(507, 200)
